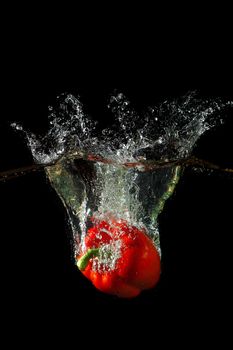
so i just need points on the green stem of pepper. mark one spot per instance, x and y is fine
(84, 260)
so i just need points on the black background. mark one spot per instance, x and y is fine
(40, 283)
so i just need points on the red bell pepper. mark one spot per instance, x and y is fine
(119, 259)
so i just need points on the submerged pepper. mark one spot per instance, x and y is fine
(119, 259)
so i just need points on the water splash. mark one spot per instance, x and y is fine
(90, 173)
(167, 131)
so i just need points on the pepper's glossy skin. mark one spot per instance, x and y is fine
(136, 268)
